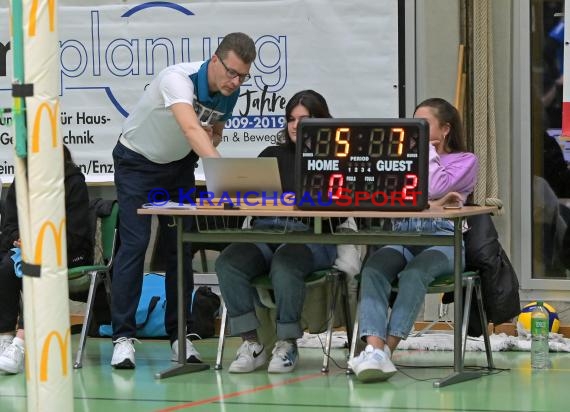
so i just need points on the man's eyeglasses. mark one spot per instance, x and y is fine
(232, 74)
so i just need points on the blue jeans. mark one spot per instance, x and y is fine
(415, 267)
(135, 177)
(287, 265)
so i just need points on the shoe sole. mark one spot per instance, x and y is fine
(241, 370)
(9, 371)
(125, 364)
(373, 375)
(281, 369)
(236, 370)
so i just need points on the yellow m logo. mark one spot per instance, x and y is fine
(63, 349)
(57, 237)
(34, 13)
(52, 116)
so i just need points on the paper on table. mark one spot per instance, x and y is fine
(168, 205)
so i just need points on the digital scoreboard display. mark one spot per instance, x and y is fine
(362, 164)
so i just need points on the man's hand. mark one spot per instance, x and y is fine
(209, 130)
(193, 130)
(215, 138)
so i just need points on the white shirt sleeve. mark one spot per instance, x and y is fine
(176, 87)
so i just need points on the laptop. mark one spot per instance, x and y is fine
(233, 177)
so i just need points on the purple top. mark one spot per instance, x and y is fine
(451, 172)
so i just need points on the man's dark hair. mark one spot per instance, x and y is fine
(241, 44)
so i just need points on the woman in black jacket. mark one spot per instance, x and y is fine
(79, 253)
(286, 264)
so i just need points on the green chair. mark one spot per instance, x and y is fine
(83, 278)
(444, 284)
(264, 288)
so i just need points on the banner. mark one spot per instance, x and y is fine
(109, 52)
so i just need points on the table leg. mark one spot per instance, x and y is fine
(182, 367)
(459, 374)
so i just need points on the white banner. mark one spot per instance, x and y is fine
(346, 50)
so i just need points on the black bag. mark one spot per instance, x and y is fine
(499, 282)
(204, 310)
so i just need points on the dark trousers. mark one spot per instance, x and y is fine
(137, 181)
(11, 309)
(10, 288)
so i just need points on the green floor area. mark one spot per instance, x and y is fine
(97, 387)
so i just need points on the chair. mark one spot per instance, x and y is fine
(442, 312)
(443, 284)
(263, 286)
(92, 275)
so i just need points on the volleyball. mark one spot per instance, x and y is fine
(553, 321)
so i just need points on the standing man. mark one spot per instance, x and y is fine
(179, 118)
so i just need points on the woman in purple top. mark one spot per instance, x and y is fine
(451, 170)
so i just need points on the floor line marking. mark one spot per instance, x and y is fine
(220, 398)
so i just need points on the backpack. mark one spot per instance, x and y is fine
(203, 309)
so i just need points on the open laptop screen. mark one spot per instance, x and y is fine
(232, 177)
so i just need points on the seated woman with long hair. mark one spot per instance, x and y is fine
(452, 171)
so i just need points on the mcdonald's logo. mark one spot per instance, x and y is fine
(52, 115)
(57, 237)
(34, 12)
(63, 350)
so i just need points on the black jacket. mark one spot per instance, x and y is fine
(499, 282)
(78, 231)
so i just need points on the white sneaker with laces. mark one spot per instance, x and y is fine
(192, 355)
(372, 365)
(285, 356)
(5, 341)
(12, 359)
(250, 356)
(124, 353)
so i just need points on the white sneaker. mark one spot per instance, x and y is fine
(250, 356)
(12, 359)
(5, 341)
(372, 365)
(192, 355)
(284, 359)
(124, 353)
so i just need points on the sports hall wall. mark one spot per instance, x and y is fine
(111, 50)
(299, 43)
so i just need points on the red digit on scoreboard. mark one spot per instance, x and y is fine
(411, 183)
(336, 182)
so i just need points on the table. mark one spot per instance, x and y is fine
(235, 234)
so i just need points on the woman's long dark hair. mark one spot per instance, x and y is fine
(445, 112)
(315, 104)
